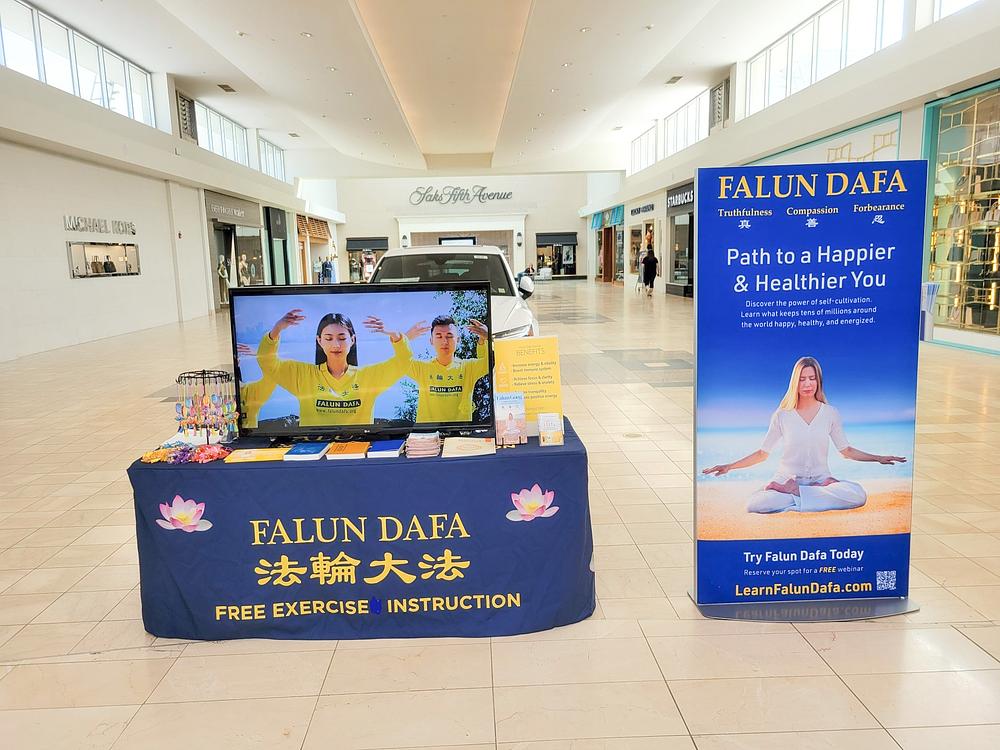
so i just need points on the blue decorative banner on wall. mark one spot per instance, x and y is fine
(807, 304)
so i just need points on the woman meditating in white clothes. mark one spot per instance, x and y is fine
(807, 424)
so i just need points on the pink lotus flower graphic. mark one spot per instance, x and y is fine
(532, 504)
(182, 514)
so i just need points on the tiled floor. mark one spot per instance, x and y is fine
(77, 671)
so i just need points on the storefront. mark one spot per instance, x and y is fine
(962, 138)
(644, 231)
(235, 244)
(680, 227)
(610, 244)
(276, 222)
(316, 247)
(362, 255)
(556, 255)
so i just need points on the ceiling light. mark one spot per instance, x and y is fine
(294, 135)
(385, 144)
(672, 80)
(349, 93)
(649, 27)
(541, 114)
(226, 87)
(584, 109)
(584, 29)
(305, 34)
(367, 119)
(332, 69)
(566, 64)
(533, 129)
(242, 34)
(553, 91)
(617, 127)
(527, 140)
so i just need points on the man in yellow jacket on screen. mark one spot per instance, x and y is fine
(446, 384)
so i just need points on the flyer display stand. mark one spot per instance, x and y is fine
(807, 326)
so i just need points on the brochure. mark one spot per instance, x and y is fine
(306, 452)
(550, 429)
(512, 427)
(339, 451)
(247, 455)
(460, 447)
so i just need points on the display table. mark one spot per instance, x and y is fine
(366, 548)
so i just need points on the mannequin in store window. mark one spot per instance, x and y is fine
(243, 271)
(109, 265)
(223, 273)
(253, 271)
(318, 271)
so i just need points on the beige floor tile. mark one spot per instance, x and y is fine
(50, 537)
(34, 641)
(106, 535)
(770, 704)
(609, 534)
(73, 685)
(661, 628)
(399, 669)
(657, 533)
(913, 650)
(631, 709)
(941, 606)
(25, 558)
(620, 743)
(986, 637)
(618, 557)
(109, 578)
(396, 720)
(938, 738)
(248, 646)
(47, 581)
(972, 545)
(77, 556)
(636, 514)
(956, 571)
(65, 728)
(588, 629)
(668, 555)
(638, 608)
(580, 661)
(923, 546)
(278, 723)
(984, 599)
(199, 678)
(697, 657)
(931, 698)
(624, 584)
(846, 739)
(9, 577)
(112, 636)
(81, 606)
(19, 609)
(129, 608)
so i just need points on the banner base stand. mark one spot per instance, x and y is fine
(821, 610)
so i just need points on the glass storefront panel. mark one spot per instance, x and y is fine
(680, 253)
(965, 219)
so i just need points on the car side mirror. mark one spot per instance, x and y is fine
(526, 286)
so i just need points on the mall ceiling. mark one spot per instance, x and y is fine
(393, 87)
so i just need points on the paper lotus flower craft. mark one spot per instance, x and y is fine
(182, 514)
(532, 504)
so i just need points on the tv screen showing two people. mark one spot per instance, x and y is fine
(341, 361)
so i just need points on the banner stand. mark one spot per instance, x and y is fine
(817, 610)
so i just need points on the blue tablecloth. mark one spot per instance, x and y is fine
(369, 548)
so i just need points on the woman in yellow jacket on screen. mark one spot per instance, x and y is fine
(334, 390)
(253, 395)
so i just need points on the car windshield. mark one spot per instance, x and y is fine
(446, 267)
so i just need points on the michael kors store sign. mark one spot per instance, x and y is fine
(98, 226)
(455, 195)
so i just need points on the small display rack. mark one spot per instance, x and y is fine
(206, 407)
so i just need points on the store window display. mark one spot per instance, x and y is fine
(88, 259)
(965, 217)
(556, 251)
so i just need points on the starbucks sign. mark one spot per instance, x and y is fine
(454, 195)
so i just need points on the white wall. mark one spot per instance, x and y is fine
(45, 307)
(376, 207)
(195, 273)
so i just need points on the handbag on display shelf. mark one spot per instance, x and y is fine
(955, 254)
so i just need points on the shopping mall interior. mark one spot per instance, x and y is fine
(192, 156)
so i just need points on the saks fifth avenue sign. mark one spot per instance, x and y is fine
(97, 226)
(453, 194)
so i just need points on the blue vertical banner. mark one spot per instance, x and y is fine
(807, 323)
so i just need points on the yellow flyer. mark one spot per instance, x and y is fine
(530, 366)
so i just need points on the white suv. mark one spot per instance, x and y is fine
(510, 315)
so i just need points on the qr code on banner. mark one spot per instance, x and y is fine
(885, 580)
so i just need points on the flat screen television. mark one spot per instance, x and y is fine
(358, 361)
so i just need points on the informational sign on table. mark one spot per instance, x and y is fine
(807, 304)
(530, 366)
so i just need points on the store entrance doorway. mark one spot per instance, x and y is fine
(608, 254)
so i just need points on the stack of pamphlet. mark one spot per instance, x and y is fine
(459, 447)
(385, 449)
(306, 452)
(423, 444)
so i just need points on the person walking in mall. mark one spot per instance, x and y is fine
(649, 263)
(806, 423)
